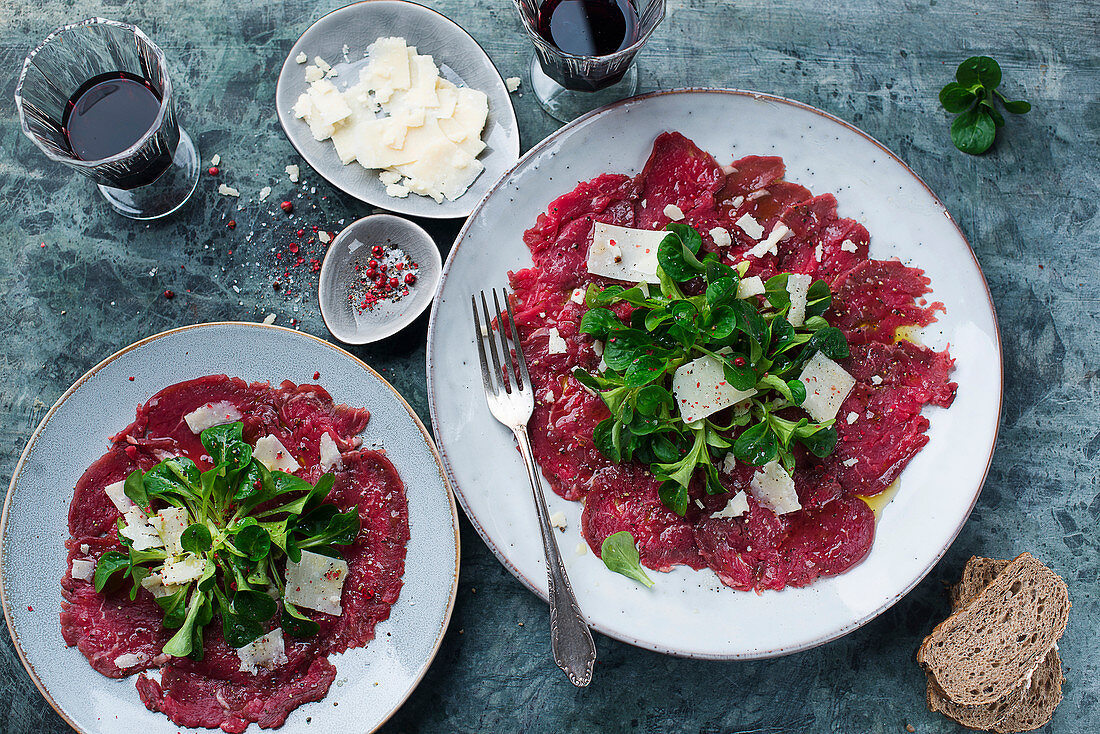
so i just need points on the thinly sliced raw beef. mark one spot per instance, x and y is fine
(872, 299)
(765, 551)
(624, 497)
(679, 173)
(110, 629)
(880, 426)
(821, 244)
(875, 298)
(194, 699)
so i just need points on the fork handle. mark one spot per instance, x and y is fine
(570, 639)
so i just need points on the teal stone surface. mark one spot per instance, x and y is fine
(78, 282)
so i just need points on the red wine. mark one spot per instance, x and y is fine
(589, 27)
(109, 113)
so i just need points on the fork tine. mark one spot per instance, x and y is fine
(519, 350)
(510, 367)
(503, 386)
(479, 337)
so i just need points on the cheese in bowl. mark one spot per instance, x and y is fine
(420, 131)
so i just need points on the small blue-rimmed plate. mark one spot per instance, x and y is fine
(371, 682)
(460, 60)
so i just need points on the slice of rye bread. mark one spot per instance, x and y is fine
(1044, 695)
(982, 652)
(1026, 707)
(976, 575)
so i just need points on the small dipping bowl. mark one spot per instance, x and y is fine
(342, 287)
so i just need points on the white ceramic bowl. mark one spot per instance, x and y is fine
(460, 60)
(371, 682)
(688, 612)
(343, 317)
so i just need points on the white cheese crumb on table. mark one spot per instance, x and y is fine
(228, 190)
(512, 83)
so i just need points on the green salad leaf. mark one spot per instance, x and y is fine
(973, 96)
(752, 338)
(620, 555)
(243, 522)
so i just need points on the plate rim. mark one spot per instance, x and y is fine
(507, 177)
(513, 150)
(17, 471)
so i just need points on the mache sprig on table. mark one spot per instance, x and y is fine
(760, 351)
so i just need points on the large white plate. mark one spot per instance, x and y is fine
(689, 612)
(460, 60)
(371, 682)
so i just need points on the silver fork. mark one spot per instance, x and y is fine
(511, 400)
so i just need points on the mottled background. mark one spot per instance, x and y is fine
(78, 282)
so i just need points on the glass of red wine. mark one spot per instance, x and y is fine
(96, 97)
(585, 49)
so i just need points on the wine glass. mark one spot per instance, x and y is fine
(149, 178)
(567, 85)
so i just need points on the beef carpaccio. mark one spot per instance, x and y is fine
(880, 426)
(120, 637)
